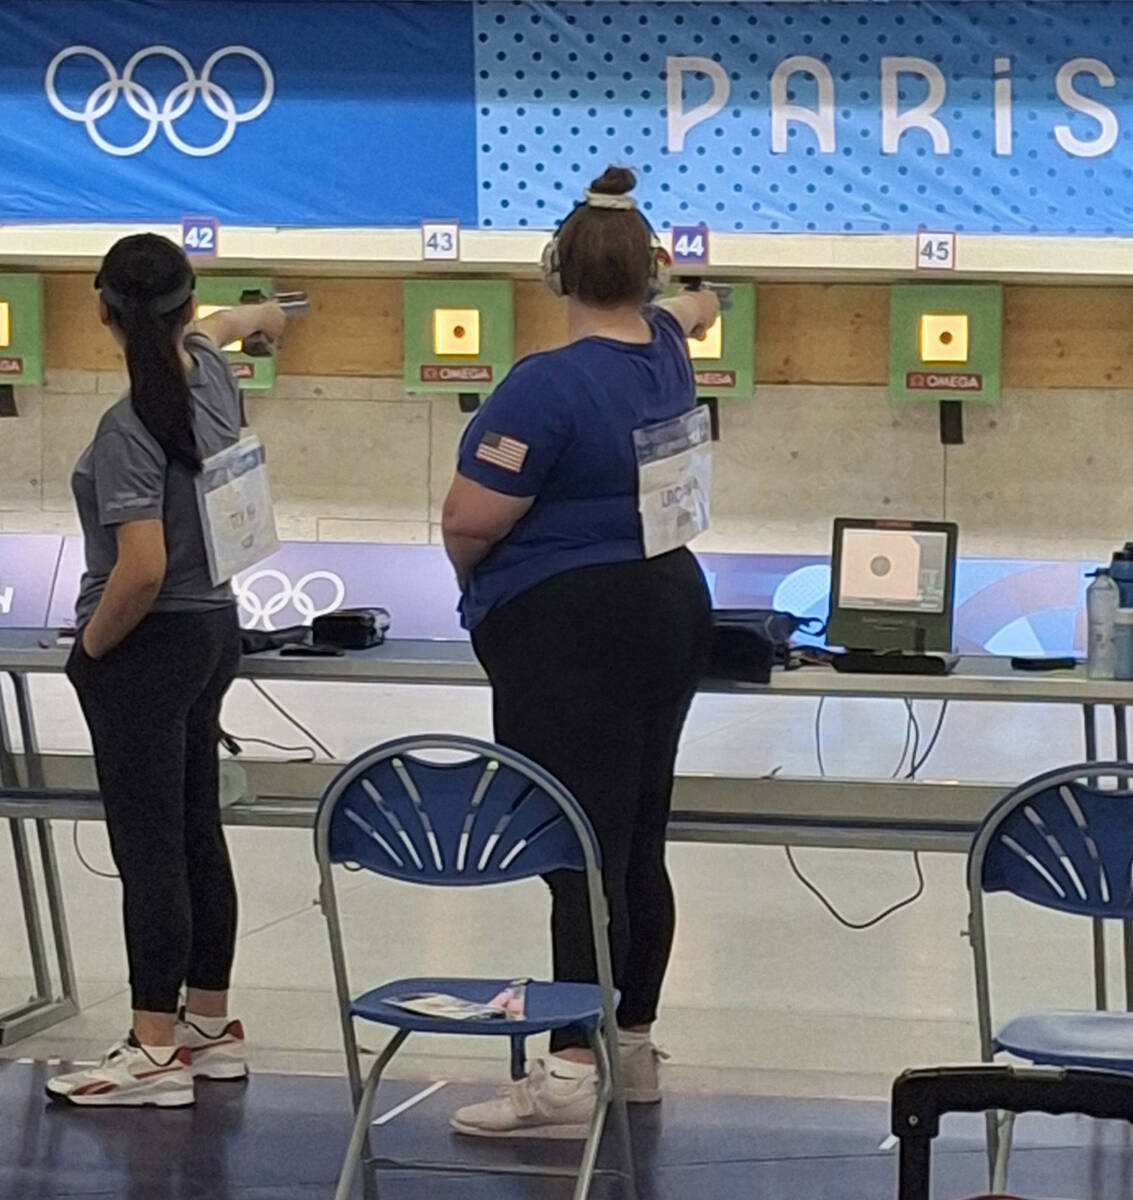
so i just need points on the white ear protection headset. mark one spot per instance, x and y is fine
(661, 265)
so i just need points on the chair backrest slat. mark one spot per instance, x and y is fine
(488, 817)
(1062, 843)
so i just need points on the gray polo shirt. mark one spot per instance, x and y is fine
(123, 476)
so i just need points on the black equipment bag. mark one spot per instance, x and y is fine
(748, 642)
(921, 1098)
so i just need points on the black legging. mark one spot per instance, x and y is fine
(153, 708)
(592, 676)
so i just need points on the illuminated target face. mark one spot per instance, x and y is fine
(5, 325)
(456, 331)
(944, 338)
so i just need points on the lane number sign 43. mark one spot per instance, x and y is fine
(440, 240)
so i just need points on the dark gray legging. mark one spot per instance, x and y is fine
(592, 675)
(153, 709)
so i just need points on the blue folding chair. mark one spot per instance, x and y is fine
(1062, 842)
(492, 816)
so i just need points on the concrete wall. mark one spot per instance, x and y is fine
(1044, 474)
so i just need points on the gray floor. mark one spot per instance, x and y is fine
(767, 995)
(281, 1138)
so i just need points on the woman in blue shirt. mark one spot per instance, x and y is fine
(593, 649)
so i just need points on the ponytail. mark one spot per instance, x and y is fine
(159, 392)
(146, 283)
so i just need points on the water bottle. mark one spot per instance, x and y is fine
(1102, 602)
(1122, 571)
(1123, 645)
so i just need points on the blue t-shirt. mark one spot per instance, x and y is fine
(560, 428)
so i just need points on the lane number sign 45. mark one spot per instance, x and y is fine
(690, 245)
(936, 251)
(440, 240)
(200, 236)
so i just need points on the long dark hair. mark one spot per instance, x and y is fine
(147, 284)
(606, 255)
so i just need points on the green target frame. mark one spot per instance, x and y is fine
(459, 334)
(958, 355)
(253, 373)
(21, 330)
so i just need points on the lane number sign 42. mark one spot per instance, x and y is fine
(936, 251)
(199, 236)
(440, 240)
(690, 245)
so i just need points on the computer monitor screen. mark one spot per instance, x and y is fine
(893, 585)
(895, 570)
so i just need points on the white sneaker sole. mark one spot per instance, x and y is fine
(130, 1098)
(551, 1133)
(227, 1072)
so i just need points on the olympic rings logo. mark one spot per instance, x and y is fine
(261, 610)
(143, 102)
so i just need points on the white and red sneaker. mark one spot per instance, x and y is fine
(219, 1056)
(128, 1077)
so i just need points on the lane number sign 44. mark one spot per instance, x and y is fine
(690, 245)
(200, 236)
(440, 240)
(936, 251)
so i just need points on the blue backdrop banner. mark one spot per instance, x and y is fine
(984, 117)
(260, 113)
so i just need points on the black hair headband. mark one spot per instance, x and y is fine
(159, 306)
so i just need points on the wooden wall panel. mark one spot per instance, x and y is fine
(1069, 337)
(821, 333)
(540, 320)
(1054, 337)
(353, 328)
(73, 336)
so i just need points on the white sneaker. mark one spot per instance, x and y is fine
(128, 1078)
(221, 1057)
(544, 1105)
(641, 1071)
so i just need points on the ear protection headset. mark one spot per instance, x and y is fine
(660, 264)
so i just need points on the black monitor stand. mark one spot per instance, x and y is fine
(896, 662)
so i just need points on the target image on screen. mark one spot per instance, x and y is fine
(893, 570)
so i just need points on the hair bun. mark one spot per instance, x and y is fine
(614, 181)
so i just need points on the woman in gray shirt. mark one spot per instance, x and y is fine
(157, 649)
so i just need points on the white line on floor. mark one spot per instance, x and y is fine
(890, 1143)
(412, 1102)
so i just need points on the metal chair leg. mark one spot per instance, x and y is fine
(991, 1121)
(1006, 1130)
(363, 1110)
(609, 1046)
(589, 1164)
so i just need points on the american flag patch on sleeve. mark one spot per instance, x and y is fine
(502, 451)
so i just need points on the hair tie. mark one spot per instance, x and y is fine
(602, 200)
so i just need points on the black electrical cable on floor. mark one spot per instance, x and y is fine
(845, 921)
(289, 718)
(911, 706)
(82, 858)
(916, 761)
(309, 752)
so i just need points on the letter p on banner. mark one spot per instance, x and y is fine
(680, 122)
